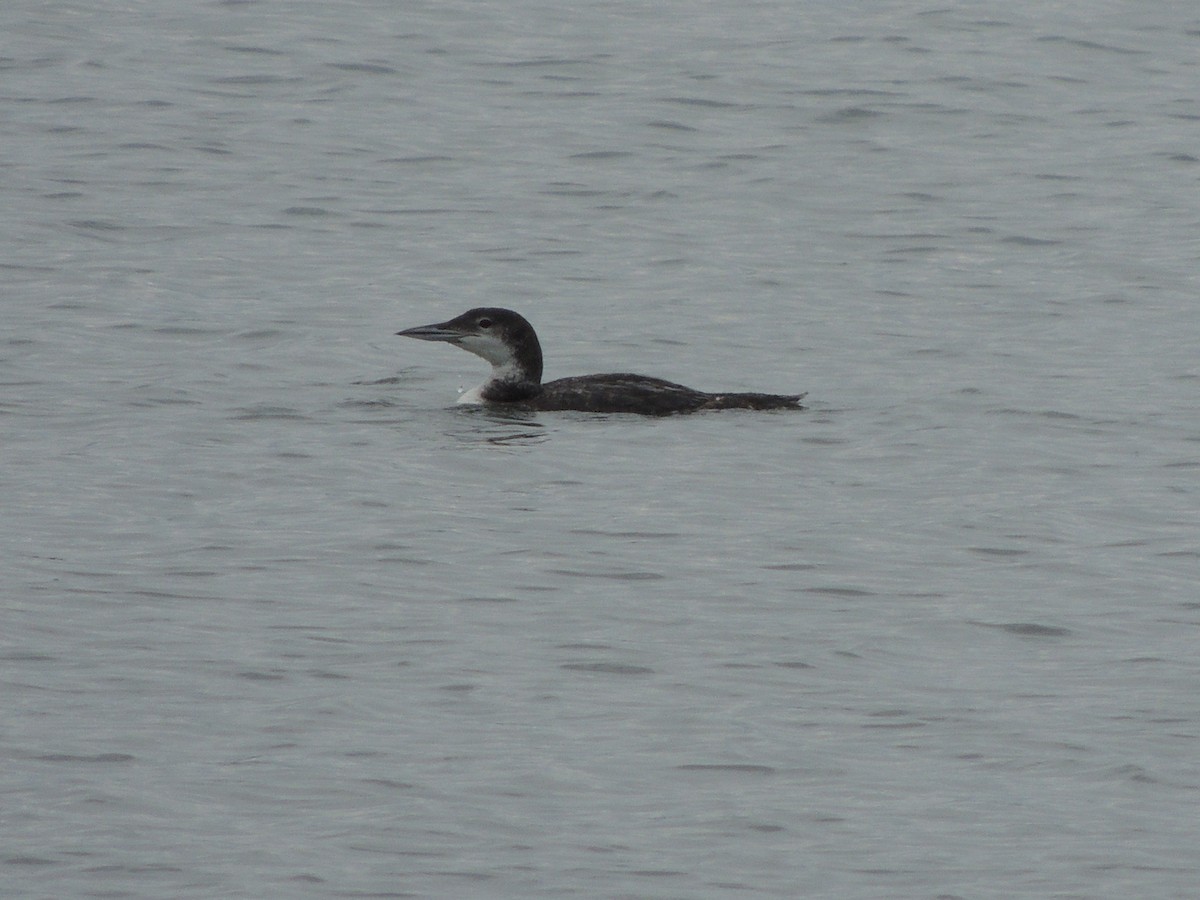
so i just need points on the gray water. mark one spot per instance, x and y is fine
(280, 620)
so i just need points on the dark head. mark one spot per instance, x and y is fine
(500, 336)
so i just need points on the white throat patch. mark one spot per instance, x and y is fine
(489, 347)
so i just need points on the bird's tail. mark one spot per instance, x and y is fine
(755, 401)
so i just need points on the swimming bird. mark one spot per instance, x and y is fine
(507, 341)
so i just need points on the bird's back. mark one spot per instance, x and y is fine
(627, 393)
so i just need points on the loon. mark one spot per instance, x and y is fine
(507, 341)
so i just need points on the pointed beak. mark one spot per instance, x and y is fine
(432, 333)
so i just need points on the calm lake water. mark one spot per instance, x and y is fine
(279, 620)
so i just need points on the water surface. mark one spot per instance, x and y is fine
(280, 620)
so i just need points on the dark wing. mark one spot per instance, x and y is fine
(626, 393)
(619, 393)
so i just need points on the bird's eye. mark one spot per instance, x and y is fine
(484, 323)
